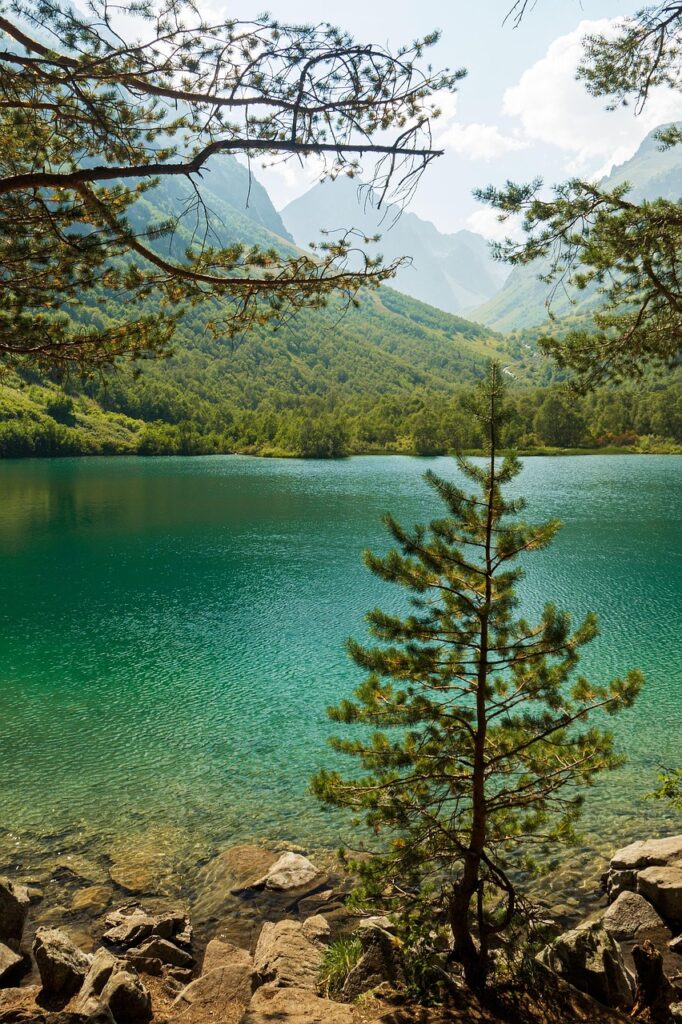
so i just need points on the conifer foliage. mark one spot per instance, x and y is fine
(481, 733)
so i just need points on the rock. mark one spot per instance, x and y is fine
(290, 871)
(321, 902)
(127, 929)
(627, 864)
(80, 867)
(632, 918)
(210, 996)
(381, 961)
(179, 974)
(126, 997)
(218, 953)
(14, 904)
(162, 949)
(233, 870)
(11, 966)
(112, 985)
(647, 853)
(134, 876)
(590, 959)
(146, 964)
(91, 900)
(662, 886)
(289, 953)
(272, 1005)
(676, 1012)
(376, 921)
(62, 966)
(130, 925)
(102, 967)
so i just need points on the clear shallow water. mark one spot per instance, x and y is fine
(171, 631)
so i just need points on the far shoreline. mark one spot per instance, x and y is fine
(289, 456)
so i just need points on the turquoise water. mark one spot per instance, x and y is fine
(172, 631)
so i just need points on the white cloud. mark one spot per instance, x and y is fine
(484, 222)
(473, 140)
(553, 107)
(478, 141)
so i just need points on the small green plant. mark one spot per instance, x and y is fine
(339, 959)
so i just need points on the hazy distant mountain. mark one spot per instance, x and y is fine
(451, 272)
(226, 190)
(653, 173)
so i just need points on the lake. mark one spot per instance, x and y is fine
(173, 629)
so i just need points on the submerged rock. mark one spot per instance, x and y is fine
(62, 966)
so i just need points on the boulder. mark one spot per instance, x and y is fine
(162, 949)
(627, 864)
(381, 961)
(647, 853)
(11, 966)
(146, 964)
(126, 997)
(62, 966)
(112, 986)
(273, 1005)
(14, 904)
(102, 967)
(631, 918)
(132, 924)
(218, 953)
(291, 871)
(289, 953)
(590, 959)
(216, 991)
(662, 886)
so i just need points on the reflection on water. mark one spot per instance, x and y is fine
(172, 631)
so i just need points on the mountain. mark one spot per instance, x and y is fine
(237, 208)
(451, 272)
(653, 173)
(265, 390)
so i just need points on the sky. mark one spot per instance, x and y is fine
(519, 112)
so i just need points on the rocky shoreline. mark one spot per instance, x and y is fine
(249, 947)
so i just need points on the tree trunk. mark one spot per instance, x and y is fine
(654, 991)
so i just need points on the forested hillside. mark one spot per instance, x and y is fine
(391, 375)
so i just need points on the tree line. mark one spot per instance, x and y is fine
(157, 418)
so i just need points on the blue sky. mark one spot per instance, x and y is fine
(518, 113)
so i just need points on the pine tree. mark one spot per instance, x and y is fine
(481, 732)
